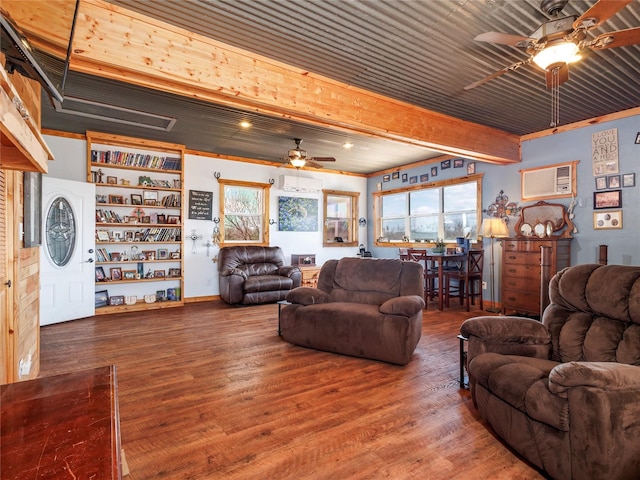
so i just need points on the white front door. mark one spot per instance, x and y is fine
(67, 269)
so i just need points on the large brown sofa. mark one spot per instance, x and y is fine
(565, 392)
(369, 308)
(254, 274)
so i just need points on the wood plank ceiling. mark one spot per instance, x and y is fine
(419, 52)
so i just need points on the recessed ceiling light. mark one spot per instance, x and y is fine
(246, 124)
(347, 145)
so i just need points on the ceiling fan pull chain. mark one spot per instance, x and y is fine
(555, 97)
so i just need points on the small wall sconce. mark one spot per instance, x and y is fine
(216, 175)
(272, 221)
(362, 222)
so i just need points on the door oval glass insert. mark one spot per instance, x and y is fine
(60, 230)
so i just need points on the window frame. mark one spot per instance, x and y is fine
(352, 221)
(377, 209)
(265, 191)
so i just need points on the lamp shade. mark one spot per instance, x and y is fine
(494, 228)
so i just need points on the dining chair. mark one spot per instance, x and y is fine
(466, 280)
(430, 272)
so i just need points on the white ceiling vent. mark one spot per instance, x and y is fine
(289, 183)
(111, 113)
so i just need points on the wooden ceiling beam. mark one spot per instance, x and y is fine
(119, 44)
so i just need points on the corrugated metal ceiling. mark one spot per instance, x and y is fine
(418, 51)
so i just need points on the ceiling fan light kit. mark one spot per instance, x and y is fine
(559, 53)
(298, 158)
(559, 41)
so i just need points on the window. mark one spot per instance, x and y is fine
(244, 208)
(340, 218)
(424, 214)
(61, 232)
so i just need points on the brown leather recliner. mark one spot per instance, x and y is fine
(253, 274)
(369, 308)
(565, 392)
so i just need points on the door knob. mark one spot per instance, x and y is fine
(90, 260)
(91, 250)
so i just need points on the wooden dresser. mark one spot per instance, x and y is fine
(310, 275)
(521, 270)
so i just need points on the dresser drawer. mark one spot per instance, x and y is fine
(525, 302)
(521, 283)
(529, 272)
(526, 258)
(525, 245)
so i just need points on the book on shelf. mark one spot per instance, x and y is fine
(130, 159)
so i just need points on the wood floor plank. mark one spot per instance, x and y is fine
(210, 391)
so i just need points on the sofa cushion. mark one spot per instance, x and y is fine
(307, 296)
(264, 283)
(366, 281)
(522, 382)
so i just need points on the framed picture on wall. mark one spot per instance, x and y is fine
(608, 199)
(471, 168)
(601, 183)
(613, 181)
(607, 220)
(629, 180)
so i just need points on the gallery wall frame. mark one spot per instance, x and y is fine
(607, 199)
(32, 187)
(609, 220)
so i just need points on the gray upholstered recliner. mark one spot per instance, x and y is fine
(254, 274)
(565, 392)
(368, 308)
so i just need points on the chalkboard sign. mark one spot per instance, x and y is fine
(200, 205)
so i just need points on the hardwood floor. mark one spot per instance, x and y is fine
(211, 391)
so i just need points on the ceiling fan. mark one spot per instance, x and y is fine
(298, 158)
(562, 40)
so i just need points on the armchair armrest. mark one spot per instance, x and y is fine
(506, 335)
(307, 296)
(407, 305)
(287, 270)
(233, 271)
(604, 375)
(506, 330)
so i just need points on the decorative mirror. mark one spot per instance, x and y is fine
(543, 220)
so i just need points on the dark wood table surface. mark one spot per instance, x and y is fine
(59, 427)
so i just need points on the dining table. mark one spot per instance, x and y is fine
(441, 261)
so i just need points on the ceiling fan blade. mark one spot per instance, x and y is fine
(600, 12)
(323, 159)
(504, 39)
(563, 76)
(514, 66)
(620, 38)
(311, 163)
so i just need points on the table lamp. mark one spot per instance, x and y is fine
(493, 228)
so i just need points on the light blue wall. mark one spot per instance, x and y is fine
(624, 244)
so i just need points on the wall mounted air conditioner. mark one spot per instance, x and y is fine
(553, 181)
(290, 183)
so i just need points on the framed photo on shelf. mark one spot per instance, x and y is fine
(116, 300)
(175, 255)
(163, 254)
(128, 274)
(100, 276)
(162, 218)
(102, 235)
(102, 298)
(161, 295)
(145, 219)
(159, 274)
(173, 219)
(607, 220)
(613, 181)
(115, 256)
(101, 199)
(136, 199)
(608, 199)
(117, 199)
(112, 180)
(116, 274)
(174, 272)
(629, 180)
(601, 183)
(150, 195)
(149, 255)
